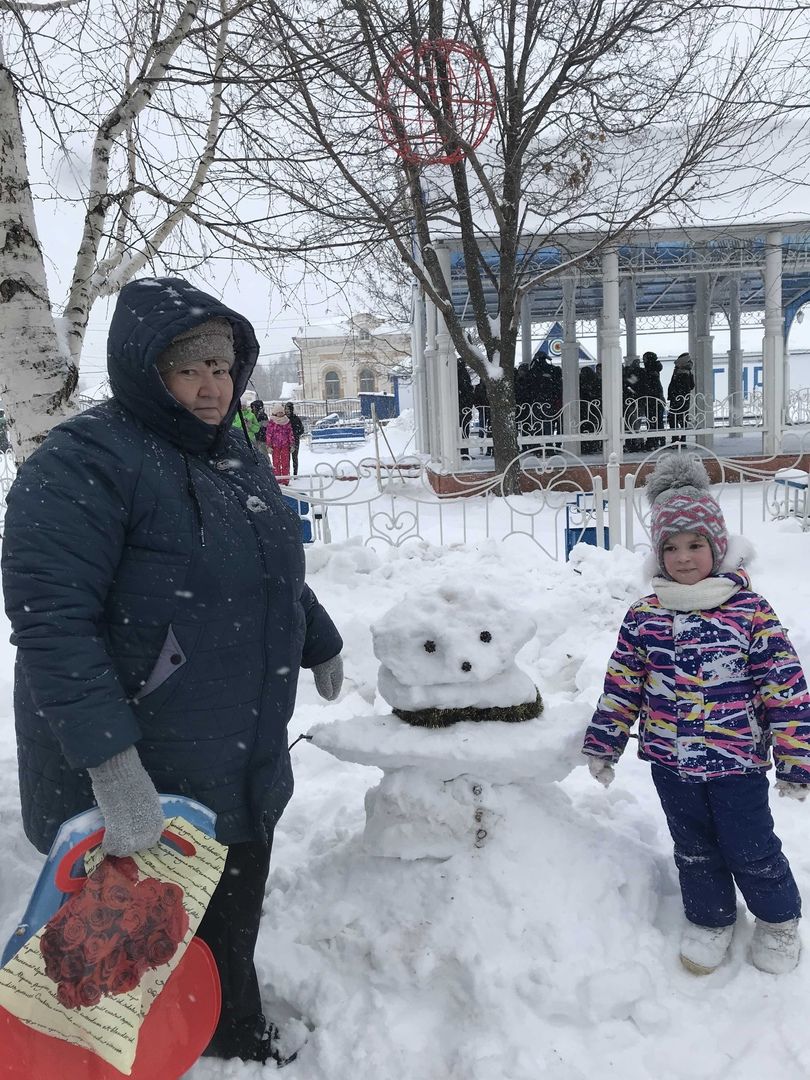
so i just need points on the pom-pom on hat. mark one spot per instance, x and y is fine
(678, 490)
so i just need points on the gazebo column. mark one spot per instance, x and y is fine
(526, 328)
(773, 374)
(447, 384)
(570, 364)
(420, 396)
(691, 330)
(628, 290)
(609, 350)
(704, 360)
(431, 381)
(735, 357)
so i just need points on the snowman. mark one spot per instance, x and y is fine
(449, 656)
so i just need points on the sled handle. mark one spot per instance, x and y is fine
(67, 883)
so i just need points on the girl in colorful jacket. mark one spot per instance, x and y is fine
(706, 668)
(279, 436)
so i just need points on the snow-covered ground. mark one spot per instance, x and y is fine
(546, 949)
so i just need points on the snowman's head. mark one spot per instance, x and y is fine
(455, 634)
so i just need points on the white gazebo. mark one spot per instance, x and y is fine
(757, 273)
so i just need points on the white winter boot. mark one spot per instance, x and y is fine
(703, 948)
(776, 946)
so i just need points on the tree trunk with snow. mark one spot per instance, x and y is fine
(37, 375)
(156, 62)
(505, 446)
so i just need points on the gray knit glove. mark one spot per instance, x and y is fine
(129, 804)
(791, 790)
(329, 677)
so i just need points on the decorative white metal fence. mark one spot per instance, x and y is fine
(563, 499)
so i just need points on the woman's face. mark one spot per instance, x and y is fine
(205, 387)
(688, 558)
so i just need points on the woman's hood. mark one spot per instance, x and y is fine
(149, 314)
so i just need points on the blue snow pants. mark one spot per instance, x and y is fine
(723, 832)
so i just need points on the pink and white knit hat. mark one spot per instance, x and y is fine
(678, 490)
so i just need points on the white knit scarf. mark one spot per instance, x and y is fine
(703, 595)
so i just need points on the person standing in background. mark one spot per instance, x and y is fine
(280, 439)
(653, 397)
(245, 420)
(679, 394)
(297, 425)
(258, 410)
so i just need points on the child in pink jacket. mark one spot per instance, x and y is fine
(279, 438)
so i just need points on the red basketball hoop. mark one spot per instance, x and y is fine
(432, 96)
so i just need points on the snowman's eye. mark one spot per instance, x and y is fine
(485, 635)
(430, 646)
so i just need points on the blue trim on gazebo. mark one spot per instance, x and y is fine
(660, 288)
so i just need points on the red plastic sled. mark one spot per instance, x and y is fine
(177, 1029)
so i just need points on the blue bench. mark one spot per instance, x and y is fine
(313, 518)
(337, 435)
(794, 484)
(304, 511)
(580, 523)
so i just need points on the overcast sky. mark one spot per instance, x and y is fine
(277, 316)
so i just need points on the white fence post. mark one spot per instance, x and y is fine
(599, 510)
(629, 510)
(614, 490)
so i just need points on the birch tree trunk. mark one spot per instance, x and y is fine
(37, 375)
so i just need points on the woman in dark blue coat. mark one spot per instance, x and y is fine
(154, 579)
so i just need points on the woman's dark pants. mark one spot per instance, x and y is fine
(230, 928)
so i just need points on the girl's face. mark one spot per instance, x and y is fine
(688, 558)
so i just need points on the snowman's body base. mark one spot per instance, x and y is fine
(442, 789)
(439, 718)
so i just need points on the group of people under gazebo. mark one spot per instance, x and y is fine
(539, 400)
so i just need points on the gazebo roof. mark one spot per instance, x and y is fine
(663, 263)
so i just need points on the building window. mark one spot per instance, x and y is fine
(364, 335)
(367, 381)
(331, 383)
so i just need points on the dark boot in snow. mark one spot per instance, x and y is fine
(269, 1048)
(252, 1043)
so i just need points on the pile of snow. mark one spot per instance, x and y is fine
(546, 947)
(404, 422)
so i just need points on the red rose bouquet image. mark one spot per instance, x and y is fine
(104, 939)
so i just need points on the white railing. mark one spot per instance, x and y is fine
(648, 421)
(561, 500)
(393, 503)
